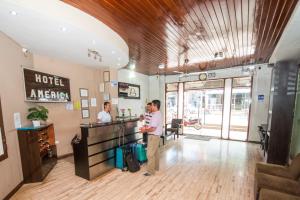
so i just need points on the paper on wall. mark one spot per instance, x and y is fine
(101, 87)
(17, 120)
(77, 105)
(69, 106)
(106, 97)
(93, 102)
(114, 101)
(114, 83)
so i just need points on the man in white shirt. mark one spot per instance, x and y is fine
(104, 116)
(154, 132)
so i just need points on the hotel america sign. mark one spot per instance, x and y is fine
(42, 87)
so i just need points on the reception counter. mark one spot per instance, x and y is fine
(94, 151)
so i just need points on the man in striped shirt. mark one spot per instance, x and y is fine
(147, 118)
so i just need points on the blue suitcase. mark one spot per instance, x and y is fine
(120, 157)
(139, 152)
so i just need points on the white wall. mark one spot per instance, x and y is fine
(157, 90)
(259, 110)
(261, 86)
(137, 105)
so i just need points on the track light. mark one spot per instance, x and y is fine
(95, 54)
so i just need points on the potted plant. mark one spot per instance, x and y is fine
(36, 114)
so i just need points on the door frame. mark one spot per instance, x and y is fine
(249, 113)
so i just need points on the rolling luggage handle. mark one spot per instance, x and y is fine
(121, 147)
(121, 134)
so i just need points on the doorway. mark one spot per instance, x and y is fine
(203, 107)
(240, 108)
(217, 108)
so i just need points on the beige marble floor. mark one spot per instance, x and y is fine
(190, 169)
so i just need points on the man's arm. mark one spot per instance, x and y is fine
(148, 129)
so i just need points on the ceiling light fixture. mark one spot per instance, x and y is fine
(161, 66)
(14, 13)
(119, 58)
(94, 54)
(113, 52)
(63, 29)
(178, 72)
(94, 42)
(132, 64)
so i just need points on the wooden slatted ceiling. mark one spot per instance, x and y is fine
(169, 31)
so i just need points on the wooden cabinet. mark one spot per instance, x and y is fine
(38, 152)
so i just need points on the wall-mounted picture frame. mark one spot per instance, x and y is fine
(84, 103)
(3, 146)
(83, 92)
(85, 113)
(129, 91)
(106, 76)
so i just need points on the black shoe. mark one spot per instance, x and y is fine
(147, 174)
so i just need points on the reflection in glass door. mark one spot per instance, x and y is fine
(240, 108)
(171, 102)
(171, 106)
(194, 106)
(212, 122)
(203, 105)
(218, 108)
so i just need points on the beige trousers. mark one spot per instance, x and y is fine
(153, 153)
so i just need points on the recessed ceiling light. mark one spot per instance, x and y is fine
(113, 52)
(13, 12)
(119, 58)
(198, 33)
(132, 66)
(178, 72)
(63, 29)
(161, 66)
(94, 42)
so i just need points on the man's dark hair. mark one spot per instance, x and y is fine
(106, 103)
(149, 104)
(156, 103)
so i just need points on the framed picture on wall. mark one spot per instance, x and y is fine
(84, 103)
(85, 113)
(83, 92)
(129, 91)
(3, 146)
(106, 76)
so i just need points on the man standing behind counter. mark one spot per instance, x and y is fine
(154, 132)
(104, 116)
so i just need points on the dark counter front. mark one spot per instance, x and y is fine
(94, 153)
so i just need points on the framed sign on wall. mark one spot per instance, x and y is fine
(42, 87)
(3, 146)
(83, 92)
(128, 90)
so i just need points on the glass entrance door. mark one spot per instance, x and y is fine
(171, 102)
(240, 108)
(203, 105)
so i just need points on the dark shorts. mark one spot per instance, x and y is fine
(145, 138)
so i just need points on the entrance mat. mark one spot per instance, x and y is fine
(198, 137)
